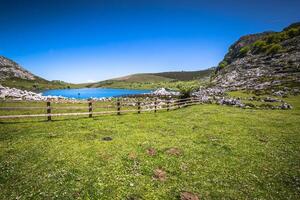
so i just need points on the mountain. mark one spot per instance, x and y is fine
(263, 61)
(10, 69)
(14, 75)
(153, 79)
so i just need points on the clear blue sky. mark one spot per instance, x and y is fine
(79, 41)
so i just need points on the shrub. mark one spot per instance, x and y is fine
(186, 90)
(259, 46)
(223, 64)
(274, 48)
(293, 32)
(243, 51)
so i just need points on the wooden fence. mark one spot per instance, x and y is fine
(135, 106)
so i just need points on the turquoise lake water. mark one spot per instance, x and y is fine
(85, 93)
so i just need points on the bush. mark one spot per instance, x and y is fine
(243, 51)
(274, 48)
(186, 90)
(259, 46)
(293, 32)
(222, 64)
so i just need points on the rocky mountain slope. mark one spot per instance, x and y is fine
(10, 69)
(15, 76)
(264, 61)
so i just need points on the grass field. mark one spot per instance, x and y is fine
(219, 152)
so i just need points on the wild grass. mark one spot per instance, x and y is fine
(226, 153)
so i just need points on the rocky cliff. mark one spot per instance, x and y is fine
(10, 69)
(269, 60)
(14, 76)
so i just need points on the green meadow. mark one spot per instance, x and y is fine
(213, 151)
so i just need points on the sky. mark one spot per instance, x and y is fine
(87, 40)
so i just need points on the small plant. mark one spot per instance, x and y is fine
(223, 64)
(244, 50)
(293, 32)
(259, 46)
(273, 49)
(186, 90)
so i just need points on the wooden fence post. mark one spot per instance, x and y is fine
(118, 107)
(168, 105)
(139, 107)
(90, 109)
(49, 110)
(178, 103)
(155, 105)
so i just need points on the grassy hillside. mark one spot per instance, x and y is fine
(216, 152)
(156, 80)
(143, 78)
(187, 75)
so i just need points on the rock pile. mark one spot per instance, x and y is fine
(18, 95)
(164, 92)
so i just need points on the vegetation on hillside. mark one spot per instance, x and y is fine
(170, 80)
(187, 75)
(270, 43)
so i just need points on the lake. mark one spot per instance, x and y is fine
(85, 93)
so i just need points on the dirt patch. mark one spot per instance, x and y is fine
(106, 138)
(132, 156)
(174, 151)
(160, 174)
(188, 196)
(151, 152)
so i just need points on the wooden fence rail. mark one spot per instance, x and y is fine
(155, 105)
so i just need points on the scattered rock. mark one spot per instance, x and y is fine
(174, 151)
(285, 106)
(230, 101)
(106, 138)
(160, 175)
(188, 196)
(18, 95)
(164, 92)
(280, 93)
(270, 99)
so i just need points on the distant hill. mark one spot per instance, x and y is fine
(153, 78)
(263, 61)
(142, 78)
(14, 75)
